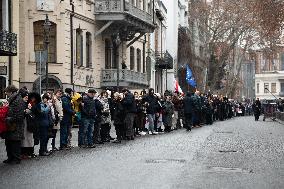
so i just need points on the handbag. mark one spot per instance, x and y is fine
(31, 123)
(11, 126)
(50, 120)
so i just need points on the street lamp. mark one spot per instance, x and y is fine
(46, 29)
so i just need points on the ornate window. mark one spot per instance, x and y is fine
(132, 58)
(88, 50)
(79, 47)
(39, 44)
(138, 60)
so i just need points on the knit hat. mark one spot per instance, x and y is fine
(68, 90)
(92, 91)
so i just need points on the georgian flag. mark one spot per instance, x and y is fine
(177, 87)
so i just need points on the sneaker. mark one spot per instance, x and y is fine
(143, 133)
(33, 156)
(116, 141)
(44, 154)
(54, 149)
(91, 146)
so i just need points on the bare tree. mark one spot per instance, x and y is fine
(233, 24)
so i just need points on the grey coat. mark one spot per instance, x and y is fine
(16, 114)
(168, 111)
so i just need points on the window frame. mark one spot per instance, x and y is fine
(138, 60)
(88, 50)
(79, 47)
(266, 85)
(132, 58)
(272, 89)
(38, 34)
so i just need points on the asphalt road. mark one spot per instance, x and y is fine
(234, 154)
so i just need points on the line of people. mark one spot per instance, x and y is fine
(29, 119)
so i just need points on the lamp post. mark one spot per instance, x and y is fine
(46, 29)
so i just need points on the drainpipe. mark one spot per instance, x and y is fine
(153, 1)
(72, 45)
(10, 29)
(144, 54)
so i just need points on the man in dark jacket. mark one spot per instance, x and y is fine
(66, 123)
(129, 106)
(196, 109)
(187, 103)
(256, 109)
(152, 107)
(88, 120)
(15, 123)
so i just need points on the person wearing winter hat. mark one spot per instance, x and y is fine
(15, 122)
(66, 123)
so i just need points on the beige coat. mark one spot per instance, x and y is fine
(58, 106)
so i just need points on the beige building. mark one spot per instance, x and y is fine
(9, 29)
(107, 38)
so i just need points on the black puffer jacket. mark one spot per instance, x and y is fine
(89, 108)
(152, 104)
(129, 104)
(16, 115)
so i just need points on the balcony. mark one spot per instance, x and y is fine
(127, 78)
(124, 14)
(164, 60)
(8, 43)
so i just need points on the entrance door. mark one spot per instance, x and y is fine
(2, 87)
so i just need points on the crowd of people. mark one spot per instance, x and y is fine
(28, 118)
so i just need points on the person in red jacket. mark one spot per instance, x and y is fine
(4, 108)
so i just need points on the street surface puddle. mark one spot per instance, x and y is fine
(229, 170)
(165, 161)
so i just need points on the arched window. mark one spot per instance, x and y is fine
(138, 60)
(108, 54)
(79, 47)
(132, 58)
(39, 44)
(88, 50)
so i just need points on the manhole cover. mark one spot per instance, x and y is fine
(229, 170)
(227, 151)
(165, 161)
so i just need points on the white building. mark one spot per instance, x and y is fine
(269, 75)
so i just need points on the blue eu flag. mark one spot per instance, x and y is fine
(189, 77)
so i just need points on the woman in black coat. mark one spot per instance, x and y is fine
(15, 123)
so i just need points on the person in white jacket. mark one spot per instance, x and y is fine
(58, 114)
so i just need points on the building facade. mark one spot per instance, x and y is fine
(9, 29)
(92, 43)
(269, 78)
(192, 46)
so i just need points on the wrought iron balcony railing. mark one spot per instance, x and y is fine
(164, 60)
(8, 43)
(122, 6)
(125, 76)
